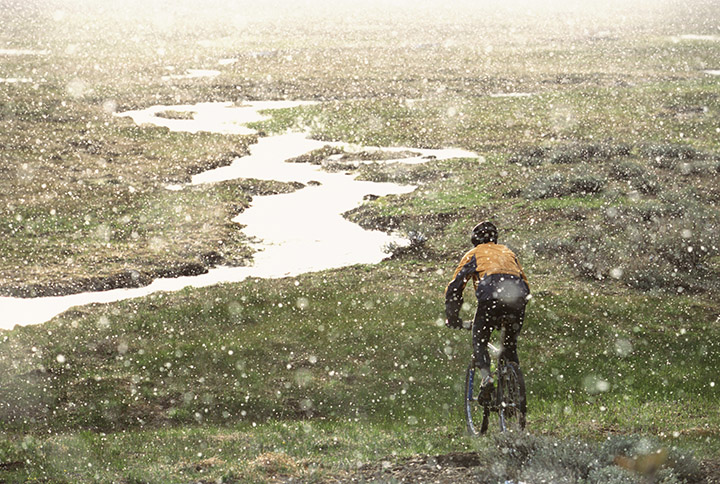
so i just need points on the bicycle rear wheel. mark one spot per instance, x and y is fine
(512, 404)
(476, 414)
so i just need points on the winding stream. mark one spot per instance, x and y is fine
(294, 233)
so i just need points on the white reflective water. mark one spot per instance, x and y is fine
(224, 118)
(697, 37)
(293, 233)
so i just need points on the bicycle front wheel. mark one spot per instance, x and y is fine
(512, 405)
(476, 413)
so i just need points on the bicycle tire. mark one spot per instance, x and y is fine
(472, 407)
(511, 399)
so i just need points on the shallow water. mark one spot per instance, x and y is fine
(295, 233)
(224, 118)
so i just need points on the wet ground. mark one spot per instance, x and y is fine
(293, 233)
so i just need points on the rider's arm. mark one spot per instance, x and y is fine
(454, 292)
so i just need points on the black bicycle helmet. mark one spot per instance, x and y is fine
(483, 233)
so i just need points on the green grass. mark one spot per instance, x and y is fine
(246, 453)
(629, 353)
(446, 195)
(588, 202)
(230, 452)
(315, 351)
(654, 112)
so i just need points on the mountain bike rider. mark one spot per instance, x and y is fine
(502, 291)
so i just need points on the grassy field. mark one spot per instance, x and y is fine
(603, 178)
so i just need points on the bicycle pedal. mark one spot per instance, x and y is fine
(485, 394)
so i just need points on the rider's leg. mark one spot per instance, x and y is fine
(482, 329)
(513, 295)
(512, 325)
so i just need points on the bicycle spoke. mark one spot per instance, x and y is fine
(508, 400)
(476, 414)
(511, 395)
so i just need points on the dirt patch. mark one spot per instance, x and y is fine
(440, 469)
(275, 465)
(711, 471)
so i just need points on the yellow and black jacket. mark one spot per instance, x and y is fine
(484, 260)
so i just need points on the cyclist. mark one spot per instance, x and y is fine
(502, 291)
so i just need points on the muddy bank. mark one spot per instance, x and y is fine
(368, 219)
(225, 160)
(128, 278)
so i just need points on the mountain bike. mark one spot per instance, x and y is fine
(507, 398)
